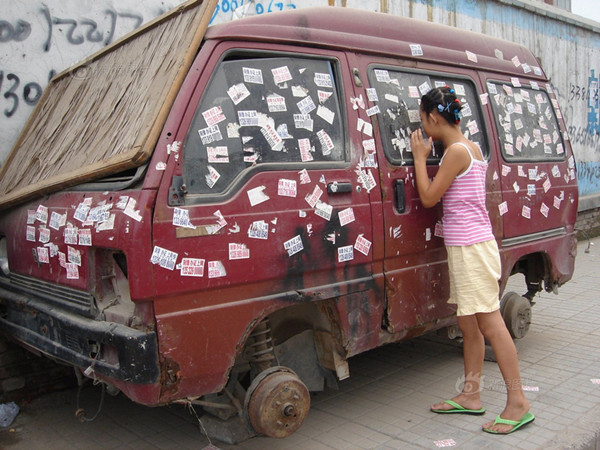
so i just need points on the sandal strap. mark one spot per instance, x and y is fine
(454, 404)
(499, 419)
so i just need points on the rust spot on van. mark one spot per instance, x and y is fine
(170, 376)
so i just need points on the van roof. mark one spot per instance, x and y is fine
(379, 33)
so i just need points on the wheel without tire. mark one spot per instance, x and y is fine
(516, 312)
(277, 402)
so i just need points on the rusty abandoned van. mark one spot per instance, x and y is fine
(226, 215)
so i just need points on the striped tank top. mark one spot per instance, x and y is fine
(466, 220)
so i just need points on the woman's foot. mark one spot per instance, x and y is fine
(467, 401)
(512, 412)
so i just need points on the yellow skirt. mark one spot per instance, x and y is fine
(474, 274)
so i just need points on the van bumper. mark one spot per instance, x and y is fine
(79, 341)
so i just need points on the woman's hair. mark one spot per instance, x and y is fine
(444, 101)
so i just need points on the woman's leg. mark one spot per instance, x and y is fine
(473, 352)
(493, 328)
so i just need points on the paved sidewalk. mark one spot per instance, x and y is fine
(384, 403)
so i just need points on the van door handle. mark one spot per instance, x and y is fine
(399, 196)
(337, 187)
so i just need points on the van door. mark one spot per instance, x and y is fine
(538, 170)
(415, 263)
(262, 208)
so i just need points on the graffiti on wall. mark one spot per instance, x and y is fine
(587, 135)
(236, 9)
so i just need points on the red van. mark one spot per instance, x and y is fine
(227, 217)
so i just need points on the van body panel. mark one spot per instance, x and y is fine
(281, 191)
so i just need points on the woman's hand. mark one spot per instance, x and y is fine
(420, 149)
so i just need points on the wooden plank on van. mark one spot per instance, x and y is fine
(104, 115)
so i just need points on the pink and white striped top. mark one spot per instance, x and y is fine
(466, 220)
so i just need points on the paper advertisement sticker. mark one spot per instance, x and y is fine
(306, 105)
(304, 176)
(272, 137)
(323, 210)
(72, 271)
(217, 155)
(212, 177)
(85, 237)
(163, 257)
(44, 235)
(363, 245)
(416, 50)
(345, 253)
(238, 251)
(30, 234)
(192, 267)
(503, 208)
(252, 75)
(305, 150)
(73, 255)
(327, 144)
(383, 76)
(71, 235)
(257, 195)
(294, 245)
(43, 256)
(281, 74)
(326, 114)
(216, 269)
(374, 110)
(313, 198)
(213, 116)
(287, 188)
(210, 134)
(346, 216)
(259, 230)
(323, 80)
(181, 218)
(238, 93)
(276, 103)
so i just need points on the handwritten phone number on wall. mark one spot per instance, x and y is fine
(227, 6)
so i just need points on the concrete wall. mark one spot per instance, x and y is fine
(42, 37)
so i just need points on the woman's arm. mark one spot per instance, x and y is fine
(454, 162)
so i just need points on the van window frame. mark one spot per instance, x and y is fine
(482, 123)
(243, 176)
(500, 129)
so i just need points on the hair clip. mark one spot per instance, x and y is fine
(457, 116)
(442, 108)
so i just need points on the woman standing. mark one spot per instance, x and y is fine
(473, 257)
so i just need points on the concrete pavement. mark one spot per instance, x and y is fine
(384, 404)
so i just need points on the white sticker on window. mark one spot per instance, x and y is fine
(253, 75)
(238, 93)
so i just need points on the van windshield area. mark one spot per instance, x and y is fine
(526, 122)
(398, 93)
(259, 111)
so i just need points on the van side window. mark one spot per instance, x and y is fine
(261, 111)
(526, 122)
(398, 94)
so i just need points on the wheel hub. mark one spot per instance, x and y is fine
(277, 402)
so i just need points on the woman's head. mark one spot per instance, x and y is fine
(443, 101)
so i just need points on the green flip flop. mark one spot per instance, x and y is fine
(516, 424)
(457, 409)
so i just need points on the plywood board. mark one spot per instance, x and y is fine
(104, 115)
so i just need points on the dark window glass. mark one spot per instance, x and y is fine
(398, 94)
(526, 123)
(261, 111)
